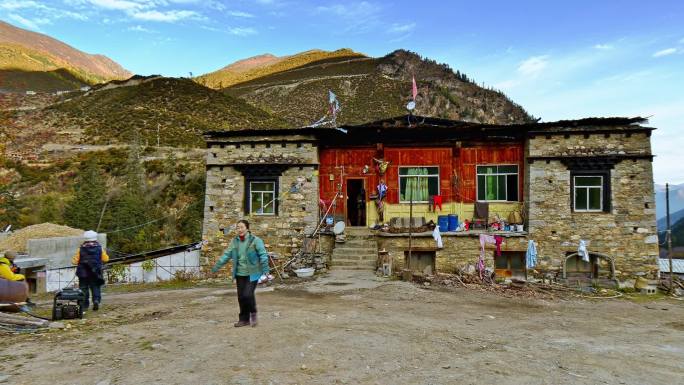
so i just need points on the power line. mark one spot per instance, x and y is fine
(146, 223)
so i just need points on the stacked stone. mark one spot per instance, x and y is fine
(626, 234)
(225, 192)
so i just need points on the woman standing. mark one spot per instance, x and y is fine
(250, 262)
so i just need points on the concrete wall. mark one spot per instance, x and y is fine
(58, 251)
(163, 269)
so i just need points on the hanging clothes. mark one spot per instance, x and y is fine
(438, 237)
(436, 201)
(582, 250)
(498, 239)
(531, 254)
(484, 239)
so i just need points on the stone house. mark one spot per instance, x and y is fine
(588, 179)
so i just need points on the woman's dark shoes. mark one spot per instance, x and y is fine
(240, 324)
(253, 319)
(96, 306)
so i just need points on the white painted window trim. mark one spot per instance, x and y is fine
(477, 182)
(574, 194)
(251, 192)
(417, 176)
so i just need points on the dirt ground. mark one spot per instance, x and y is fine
(391, 332)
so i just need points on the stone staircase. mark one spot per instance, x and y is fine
(359, 252)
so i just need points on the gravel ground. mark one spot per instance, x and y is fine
(388, 332)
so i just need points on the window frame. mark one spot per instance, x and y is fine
(605, 191)
(248, 195)
(497, 165)
(588, 196)
(399, 176)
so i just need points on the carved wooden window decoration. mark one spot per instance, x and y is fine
(590, 183)
(588, 192)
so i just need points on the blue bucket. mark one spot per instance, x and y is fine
(443, 222)
(453, 222)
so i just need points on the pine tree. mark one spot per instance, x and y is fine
(84, 209)
(130, 213)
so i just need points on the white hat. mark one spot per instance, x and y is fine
(90, 235)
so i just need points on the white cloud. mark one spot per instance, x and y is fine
(402, 28)
(12, 5)
(237, 31)
(603, 46)
(31, 24)
(139, 28)
(120, 5)
(165, 16)
(354, 17)
(665, 52)
(533, 66)
(351, 10)
(240, 14)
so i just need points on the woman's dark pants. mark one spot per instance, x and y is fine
(88, 285)
(246, 298)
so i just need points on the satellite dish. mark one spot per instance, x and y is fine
(411, 105)
(338, 228)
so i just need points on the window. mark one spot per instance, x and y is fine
(588, 194)
(418, 183)
(262, 197)
(497, 183)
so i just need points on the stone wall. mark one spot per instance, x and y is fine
(459, 249)
(634, 143)
(297, 212)
(627, 233)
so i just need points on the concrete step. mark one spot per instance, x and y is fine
(354, 231)
(363, 257)
(358, 243)
(354, 250)
(338, 262)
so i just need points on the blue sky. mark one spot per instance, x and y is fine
(559, 61)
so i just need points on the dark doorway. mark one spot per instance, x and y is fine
(356, 203)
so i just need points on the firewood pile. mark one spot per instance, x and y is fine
(677, 285)
(469, 279)
(302, 260)
(22, 324)
(18, 240)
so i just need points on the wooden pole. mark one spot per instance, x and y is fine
(669, 233)
(410, 225)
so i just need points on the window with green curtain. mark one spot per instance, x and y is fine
(497, 183)
(418, 183)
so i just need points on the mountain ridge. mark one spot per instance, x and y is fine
(26, 51)
(375, 88)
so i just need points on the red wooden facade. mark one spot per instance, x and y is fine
(457, 168)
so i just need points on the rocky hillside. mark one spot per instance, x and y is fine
(175, 111)
(264, 65)
(33, 61)
(375, 88)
